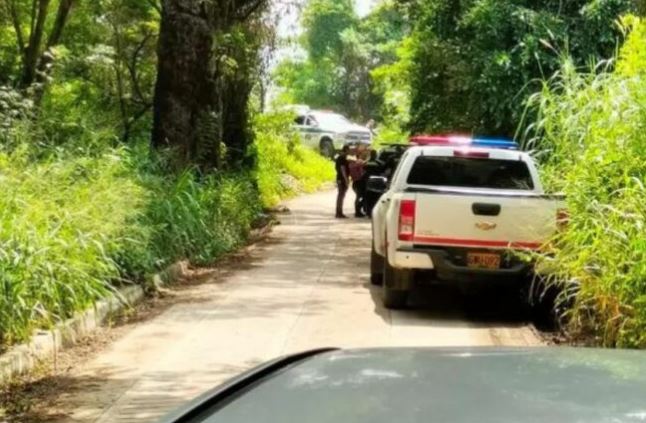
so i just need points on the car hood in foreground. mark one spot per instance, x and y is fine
(449, 386)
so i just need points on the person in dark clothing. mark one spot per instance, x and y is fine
(342, 180)
(357, 173)
(374, 167)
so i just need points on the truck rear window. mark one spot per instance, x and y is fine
(471, 173)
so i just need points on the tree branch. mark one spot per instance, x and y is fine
(15, 20)
(132, 67)
(133, 119)
(34, 11)
(248, 8)
(64, 8)
(32, 51)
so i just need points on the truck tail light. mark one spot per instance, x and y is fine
(407, 220)
(562, 218)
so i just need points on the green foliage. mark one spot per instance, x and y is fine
(101, 73)
(285, 166)
(592, 135)
(306, 82)
(62, 222)
(475, 62)
(85, 205)
(392, 84)
(14, 107)
(324, 22)
(199, 218)
(342, 50)
(79, 219)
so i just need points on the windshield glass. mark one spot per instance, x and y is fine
(471, 173)
(330, 119)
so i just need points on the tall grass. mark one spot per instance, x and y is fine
(592, 131)
(200, 219)
(78, 219)
(61, 224)
(285, 166)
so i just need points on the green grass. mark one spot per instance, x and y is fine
(199, 219)
(593, 142)
(285, 166)
(61, 224)
(77, 222)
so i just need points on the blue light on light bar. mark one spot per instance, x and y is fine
(494, 143)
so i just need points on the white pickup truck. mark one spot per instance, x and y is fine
(456, 212)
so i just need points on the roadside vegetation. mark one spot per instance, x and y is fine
(590, 132)
(349, 63)
(76, 224)
(566, 78)
(443, 65)
(87, 205)
(285, 167)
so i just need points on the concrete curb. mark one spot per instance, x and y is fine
(44, 344)
(22, 358)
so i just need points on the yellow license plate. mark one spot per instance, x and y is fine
(483, 261)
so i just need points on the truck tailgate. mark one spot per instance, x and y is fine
(484, 221)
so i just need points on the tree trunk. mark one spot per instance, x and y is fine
(236, 134)
(37, 57)
(198, 105)
(46, 58)
(33, 49)
(185, 86)
(62, 14)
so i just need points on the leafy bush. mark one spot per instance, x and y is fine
(592, 133)
(285, 166)
(475, 62)
(341, 51)
(72, 228)
(76, 222)
(200, 219)
(61, 224)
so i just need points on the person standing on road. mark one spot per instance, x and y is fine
(357, 172)
(342, 180)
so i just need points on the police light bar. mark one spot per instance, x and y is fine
(463, 141)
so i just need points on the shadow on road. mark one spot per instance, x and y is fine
(446, 304)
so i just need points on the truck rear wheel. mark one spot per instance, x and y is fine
(395, 299)
(397, 284)
(376, 267)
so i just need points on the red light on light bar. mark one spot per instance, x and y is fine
(441, 140)
(471, 154)
(463, 141)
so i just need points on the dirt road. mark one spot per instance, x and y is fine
(306, 287)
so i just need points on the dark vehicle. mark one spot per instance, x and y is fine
(384, 166)
(459, 385)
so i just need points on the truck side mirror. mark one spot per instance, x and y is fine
(377, 184)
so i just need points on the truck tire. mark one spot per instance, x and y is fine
(395, 299)
(541, 303)
(327, 148)
(397, 284)
(376, 267)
